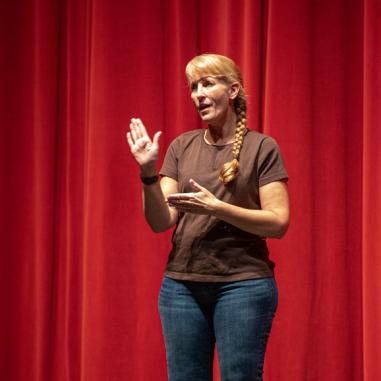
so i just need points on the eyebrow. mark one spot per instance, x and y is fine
(202, 78)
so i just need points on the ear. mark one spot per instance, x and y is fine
(234, 90)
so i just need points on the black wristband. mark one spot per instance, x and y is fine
(149, 180)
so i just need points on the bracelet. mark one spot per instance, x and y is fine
(149, 180)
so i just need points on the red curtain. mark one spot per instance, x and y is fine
(80, 270)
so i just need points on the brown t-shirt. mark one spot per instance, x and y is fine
(205, 248)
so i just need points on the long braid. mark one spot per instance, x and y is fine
(230, 169)
(223, 67)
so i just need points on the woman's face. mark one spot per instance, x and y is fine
(211, 97)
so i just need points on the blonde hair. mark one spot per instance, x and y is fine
(223, 67)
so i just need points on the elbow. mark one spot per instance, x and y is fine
(161, 224)
(158, 228)
(281, 229)
(279, 234)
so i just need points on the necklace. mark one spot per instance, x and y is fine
(206, 140)
(215, 144)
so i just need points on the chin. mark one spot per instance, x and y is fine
(207, 118)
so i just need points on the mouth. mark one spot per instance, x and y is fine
(203, 106)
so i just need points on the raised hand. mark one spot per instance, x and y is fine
(200, 202)
(144, 150)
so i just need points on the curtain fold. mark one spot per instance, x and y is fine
(81, 270)
(371, 185)
(313, 106)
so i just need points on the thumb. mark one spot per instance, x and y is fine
(156, 138)
(196, 185)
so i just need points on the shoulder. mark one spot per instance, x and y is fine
(269, 159)
(255, 136)
(189, 135)
(187, 138)
(254, 141)
(261, 142)
(182, 145)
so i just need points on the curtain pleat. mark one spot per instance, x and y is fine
(371, 197)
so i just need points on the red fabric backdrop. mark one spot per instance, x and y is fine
(80, 269)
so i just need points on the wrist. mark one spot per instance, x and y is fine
(148, 170)
(218, 208)
(149, 180)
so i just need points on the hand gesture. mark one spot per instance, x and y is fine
(144, 150)
(200, 202)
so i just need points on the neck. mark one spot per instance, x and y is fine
(224, 132)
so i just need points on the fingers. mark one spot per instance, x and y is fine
(138, 131)
(156, 138)
(141, 130)
(137, 128)
(182, 205)
(136, 145)
(188, 207)
(129, 140)
(133, 130)
(180, 196)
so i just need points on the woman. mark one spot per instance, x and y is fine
(225, 189)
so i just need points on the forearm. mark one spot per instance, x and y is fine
(156, 210)
(264, 223)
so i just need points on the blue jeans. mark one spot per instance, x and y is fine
(237, 316)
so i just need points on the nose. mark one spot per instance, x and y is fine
(200, 91)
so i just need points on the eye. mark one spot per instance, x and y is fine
(207, 83)
(194, 86)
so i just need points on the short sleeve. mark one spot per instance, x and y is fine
(270, 163)
(170, 163)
